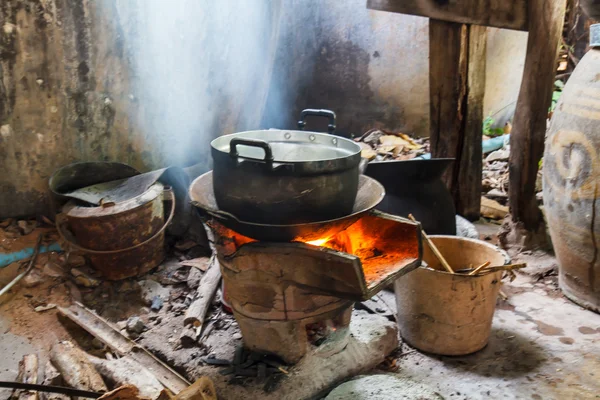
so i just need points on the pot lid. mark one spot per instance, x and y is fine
(73, 209)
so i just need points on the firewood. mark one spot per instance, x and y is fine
(107, 334)
(126, 371)
(126, 392)
(52, 377)
(77, 371)
(196, 313)
(492, 209)
(28, 373)
(202, 389)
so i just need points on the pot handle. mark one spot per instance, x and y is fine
(253, 143)
(318, 113)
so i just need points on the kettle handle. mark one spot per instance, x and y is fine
(330, 115)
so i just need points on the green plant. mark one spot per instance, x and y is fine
(488, 130)
(558, 88)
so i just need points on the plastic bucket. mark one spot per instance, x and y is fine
(444, 313)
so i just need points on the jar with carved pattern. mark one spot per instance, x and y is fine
(572, 180)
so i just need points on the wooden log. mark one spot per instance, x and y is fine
(28, 373)
(53, 378)
(209, 283)
(125, 392)
(529, 127)
(76, 370)
(202, 389)
(499, 13)
(126, 371)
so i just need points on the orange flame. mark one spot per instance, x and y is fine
(318, 242)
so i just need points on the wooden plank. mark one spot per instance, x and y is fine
(107, 334)
(508, 14)
(468, 195)
(529, 126)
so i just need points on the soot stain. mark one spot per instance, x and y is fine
(341, 72)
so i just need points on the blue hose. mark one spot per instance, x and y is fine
(7, 259)
(486, 145)
(494, 143)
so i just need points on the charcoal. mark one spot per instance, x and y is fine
(227, 371)
(262, 371)
(248, 372)
(273, 363)
(216, 361)
(238, 356)
(247, 364)
(273, 383)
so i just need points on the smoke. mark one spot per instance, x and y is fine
(199, 69)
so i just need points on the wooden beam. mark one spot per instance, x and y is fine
(529, 126)
(457, 84)
(508, 14)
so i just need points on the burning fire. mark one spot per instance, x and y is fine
(318, 242)
(346, 241)
(379, 243)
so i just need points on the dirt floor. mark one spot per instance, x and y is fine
(542, 345)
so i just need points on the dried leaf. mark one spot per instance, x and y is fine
(367, 152)
(400, 139)
(391, 140)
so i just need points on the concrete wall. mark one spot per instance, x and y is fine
(73, 80)
(78, 82)
(504, 68)
(370, 67)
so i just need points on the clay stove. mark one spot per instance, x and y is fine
(294, 290)
(291, 297)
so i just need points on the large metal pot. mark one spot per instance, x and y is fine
(285, 176)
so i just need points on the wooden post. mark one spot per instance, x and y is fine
(456, 85)
(529, 127)
(468, 200)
